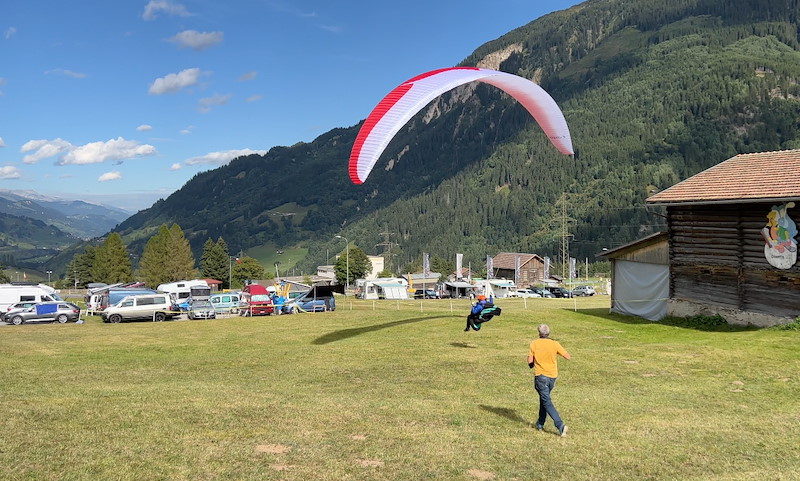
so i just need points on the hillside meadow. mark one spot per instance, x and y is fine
(397, 391)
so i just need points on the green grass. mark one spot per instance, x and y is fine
(397, 391)
(267, 256)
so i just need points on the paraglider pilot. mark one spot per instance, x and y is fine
(482, 311)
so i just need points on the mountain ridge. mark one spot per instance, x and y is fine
(652, 93)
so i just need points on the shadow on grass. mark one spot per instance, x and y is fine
(357, 331)
(463, 344)
(698, 323)
(507, 413)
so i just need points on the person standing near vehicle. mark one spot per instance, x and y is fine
(542, 358)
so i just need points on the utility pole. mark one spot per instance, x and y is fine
(564, 235)
(387, 245)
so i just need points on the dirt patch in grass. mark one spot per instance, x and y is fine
(370, 463)
(481, 474)
(272, 448)
(358, 437)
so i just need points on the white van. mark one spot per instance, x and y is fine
(26, 292)
(154, 307)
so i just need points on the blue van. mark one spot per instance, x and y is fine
(318, 299)
(225, 302)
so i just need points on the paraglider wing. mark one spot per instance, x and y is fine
(408, 98)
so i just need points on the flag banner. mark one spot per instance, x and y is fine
(546, 274)
(426, 265)
(459, 260)
(489, 267)
(516, 269)
(571, 267)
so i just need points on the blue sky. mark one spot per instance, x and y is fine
(121, 102)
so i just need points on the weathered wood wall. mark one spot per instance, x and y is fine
(717, 258)
(532, 272)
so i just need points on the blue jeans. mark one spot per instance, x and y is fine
(544, 385)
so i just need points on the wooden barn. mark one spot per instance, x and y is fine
(531, 268)
(733, 240)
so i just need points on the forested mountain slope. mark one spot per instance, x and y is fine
(653, 92)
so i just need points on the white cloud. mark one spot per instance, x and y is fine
(113, 175)
(175, 167)
(221, 158)
(10, 172)
(195, 40)
(152, 9)
(205, 104)
(66, 73)
(2, 81)
(2, 142)
(43, 149)
(98, 152)
(10, 32)
(247, 76)
(144, 128)
(253, 98)
(175, 81)
(187, 130)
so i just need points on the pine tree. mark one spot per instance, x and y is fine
(111, 261)
(215, 262)
(167, 257)
(151, 266)
(3, 277)
(179, 261)
(80, 268)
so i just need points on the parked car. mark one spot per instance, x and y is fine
(60, 312)
(255, 300)
(156, 307)
(19, 306)
(425, 294)
(583, 291)
(201, 310)
(318, 299)
(225, 302)
(542, 292)
(526, 293)
(560, 292)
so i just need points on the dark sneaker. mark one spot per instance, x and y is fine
(563, 431)
(538, 426)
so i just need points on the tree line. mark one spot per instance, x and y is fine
(166, 257)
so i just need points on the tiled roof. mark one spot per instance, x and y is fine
(763, 176)
(506, 260)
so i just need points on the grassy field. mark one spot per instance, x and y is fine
(397, 391)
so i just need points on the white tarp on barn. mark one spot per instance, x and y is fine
(640, 289)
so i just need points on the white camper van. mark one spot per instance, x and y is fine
(22, 292)
(181, 291)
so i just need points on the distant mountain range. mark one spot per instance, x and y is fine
(34, 228)
(75, 217)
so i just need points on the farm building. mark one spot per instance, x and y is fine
(531, 268)
(640, 277)
(733, 239)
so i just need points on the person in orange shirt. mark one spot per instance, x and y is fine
(542, 359)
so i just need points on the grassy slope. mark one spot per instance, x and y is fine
(400, 392)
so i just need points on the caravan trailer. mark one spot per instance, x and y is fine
(23, 291)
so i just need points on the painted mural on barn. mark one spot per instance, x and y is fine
(779, 233)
